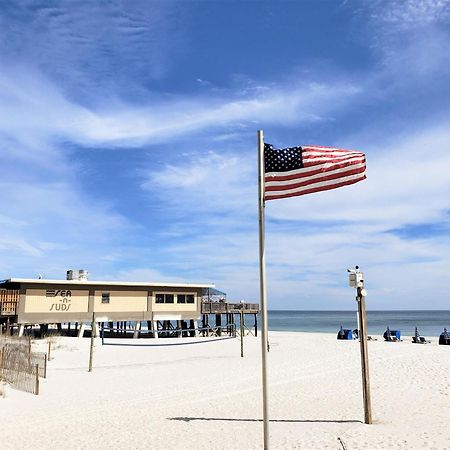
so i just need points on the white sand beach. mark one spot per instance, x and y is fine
(205, 396)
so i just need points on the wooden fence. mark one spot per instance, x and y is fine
(20, 367)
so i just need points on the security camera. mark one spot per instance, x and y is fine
(355, 278)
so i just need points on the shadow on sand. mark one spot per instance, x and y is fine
(191, 419)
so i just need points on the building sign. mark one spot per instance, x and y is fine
(62, 299)
(56, 301)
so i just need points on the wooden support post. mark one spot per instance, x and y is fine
(45, 366)
(7, 325)
(137, 329)
(219, 324)
(91, 351)
(364, 356)
(155, 329)
(49, 351)
(81, 330)
(256, 325)
(36, 389)
(195, 328)
(242, 333)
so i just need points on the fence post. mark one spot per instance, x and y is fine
(241, 323)
(49, 351)
(45, 366)
(29, 352)
(36, 391)
(91, 351)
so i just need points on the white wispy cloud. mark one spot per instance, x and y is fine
(86, 47)
(311, 240)
(33, 104)
(411, 38)
(50, 103)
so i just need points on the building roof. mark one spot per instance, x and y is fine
(106, 283)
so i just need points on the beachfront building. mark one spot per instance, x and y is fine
(75, 300)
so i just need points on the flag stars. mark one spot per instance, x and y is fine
(282, 160)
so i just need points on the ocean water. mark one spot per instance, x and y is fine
(429, 323)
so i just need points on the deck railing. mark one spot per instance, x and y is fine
(9, 299)
(224, 307)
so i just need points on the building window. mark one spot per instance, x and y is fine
(105, 297)
(185, 298)
(164, 298)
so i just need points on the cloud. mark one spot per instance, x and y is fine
(75, 84)
(399, 189)
(410, 13)
(32, 103)
(86, 48)
(209, 183)
(411, 37)
(311, 240)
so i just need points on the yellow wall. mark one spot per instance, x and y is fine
(56, 301)
(120, 301)
(176, 307)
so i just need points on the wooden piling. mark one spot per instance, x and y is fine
(219, 324)
(364, 356)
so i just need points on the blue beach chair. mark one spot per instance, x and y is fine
(444, 338)
(345, 334)
(392, 335)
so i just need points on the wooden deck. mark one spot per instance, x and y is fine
(230, 308)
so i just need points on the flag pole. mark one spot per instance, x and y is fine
(262, 287)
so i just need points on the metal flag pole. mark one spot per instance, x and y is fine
(262, 287)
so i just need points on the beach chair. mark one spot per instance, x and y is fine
(345, 334)
(417, 339)
(444, 338)
(392, 335)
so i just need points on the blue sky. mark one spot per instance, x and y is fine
(128, 144)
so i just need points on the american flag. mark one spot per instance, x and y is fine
(303, 170)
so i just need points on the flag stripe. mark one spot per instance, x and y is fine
(315, 187)
(310, 171)
(322, 176)
(309, 159)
